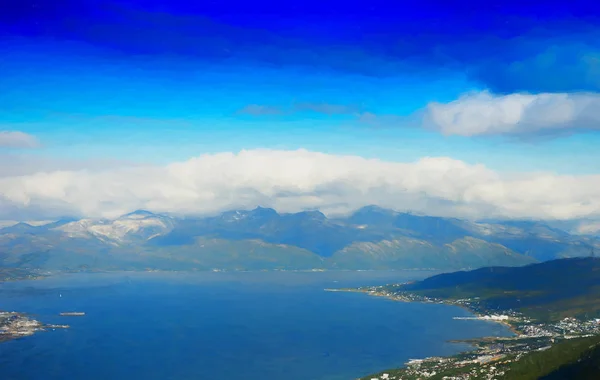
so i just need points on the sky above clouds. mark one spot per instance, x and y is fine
(446, 108)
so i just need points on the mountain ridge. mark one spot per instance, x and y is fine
(370, 238)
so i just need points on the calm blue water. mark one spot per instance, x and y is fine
(218, 325)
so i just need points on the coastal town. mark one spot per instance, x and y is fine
(15, 325)
(492, 356)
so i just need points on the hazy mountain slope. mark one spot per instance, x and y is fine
(413, 253)
(212, 253)
(534, 239)
(530, 238)
(309, 230)
(393, 254)
(370, 238)
(477, 253)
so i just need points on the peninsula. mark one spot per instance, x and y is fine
(15, 325)
(552, 308)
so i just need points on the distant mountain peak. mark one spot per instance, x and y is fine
(264, 211)
(138, 214)
(371, 238)
(19, 227)
(374, 208)
(373, 215)
(22, 224)
(315, 214)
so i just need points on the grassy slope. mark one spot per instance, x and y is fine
(572, 359)
(575, 359)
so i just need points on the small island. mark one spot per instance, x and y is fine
(14, 325)
(72, 314)
(553, 308)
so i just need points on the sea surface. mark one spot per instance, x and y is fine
(251, 326)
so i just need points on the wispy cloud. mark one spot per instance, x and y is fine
(328, 108)
(321, 108)
(482, 113)
(16, 139)
(384, 121)
(258, 110)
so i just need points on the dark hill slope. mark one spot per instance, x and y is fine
(576, 359)
(553, 289)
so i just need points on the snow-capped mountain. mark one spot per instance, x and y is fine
(132, 227)
(371, 238)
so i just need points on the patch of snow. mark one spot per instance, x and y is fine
(116, 230)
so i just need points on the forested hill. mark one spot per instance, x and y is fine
(553, 289)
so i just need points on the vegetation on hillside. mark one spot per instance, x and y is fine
(547, 291)
(571, 359)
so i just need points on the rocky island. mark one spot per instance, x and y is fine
(15, 325)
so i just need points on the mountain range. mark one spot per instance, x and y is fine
(263, 239)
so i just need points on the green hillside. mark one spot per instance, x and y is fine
(547, 291)
(575, 359)
(536, 299)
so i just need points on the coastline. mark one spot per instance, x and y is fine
(474, 343)
(23, 277)
(478, 315)
(492, 356)
(15, 325)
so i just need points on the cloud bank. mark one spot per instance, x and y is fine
(294, 180)
(16, 139)
(483, 113)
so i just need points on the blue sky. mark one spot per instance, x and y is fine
(157, 82)
(124, 78)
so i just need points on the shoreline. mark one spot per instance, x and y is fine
(45, 275)
(41, 273)
(472, 342)
(15, 325)
(491, 355)
(477, 315)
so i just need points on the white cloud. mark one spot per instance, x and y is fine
(515, 114)
(16, 139)
(293, 180)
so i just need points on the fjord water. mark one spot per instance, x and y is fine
(276, 325)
